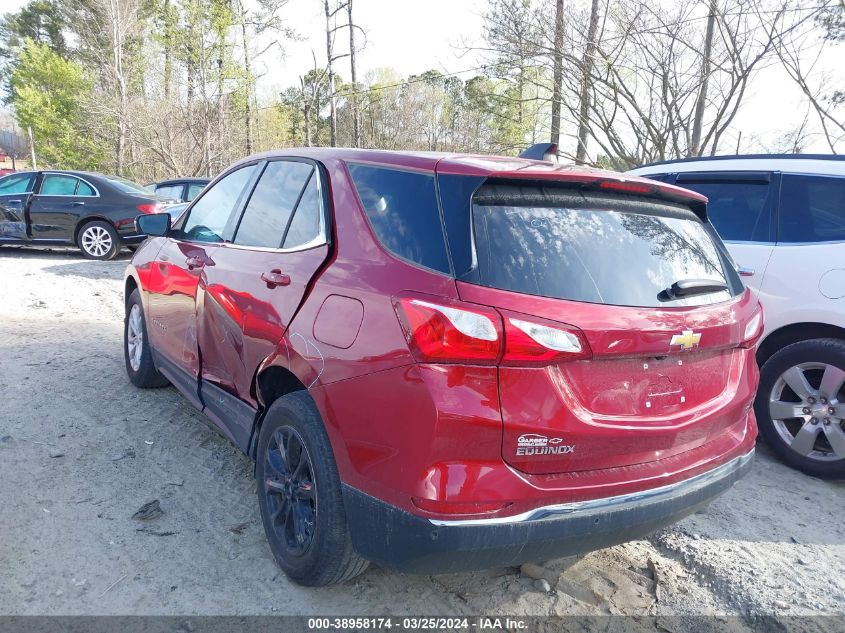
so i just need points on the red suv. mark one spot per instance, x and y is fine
(443, 362)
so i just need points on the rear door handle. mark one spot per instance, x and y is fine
(275, 278)
(77, 203)
(195, 262)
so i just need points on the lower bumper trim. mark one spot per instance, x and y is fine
(398, 539)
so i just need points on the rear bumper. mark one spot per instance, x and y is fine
(398, 539)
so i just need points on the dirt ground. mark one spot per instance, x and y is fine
(81, 450)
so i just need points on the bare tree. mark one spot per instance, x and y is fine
(586, 72)
(557, 77)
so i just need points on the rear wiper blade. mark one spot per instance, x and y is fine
(690, 287)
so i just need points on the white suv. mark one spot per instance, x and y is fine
(783, 220)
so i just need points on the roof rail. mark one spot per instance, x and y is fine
(695, 159)
(540, 151)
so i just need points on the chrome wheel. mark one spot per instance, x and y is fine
(96, 241)
(135, 337)
(807, 409)
(290, 490)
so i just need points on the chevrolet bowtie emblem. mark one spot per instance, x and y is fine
(686, 339)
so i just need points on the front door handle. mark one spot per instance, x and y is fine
(745, 272)
(195, 262)
(275, 278)
(77, 203)
(15, 201)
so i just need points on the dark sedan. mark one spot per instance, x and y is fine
(93, 211)
(182, 189)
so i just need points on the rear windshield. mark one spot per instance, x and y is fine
(598, 248)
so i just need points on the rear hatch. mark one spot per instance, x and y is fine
(653, 316)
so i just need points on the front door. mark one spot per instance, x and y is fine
(176, 273)
(15, 192)
(249, 297)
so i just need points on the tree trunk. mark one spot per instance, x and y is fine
(557, 78)
(250, 85)
(330, 73)
(168, 51)
(356, 112)
(701, 102)
(587, 84)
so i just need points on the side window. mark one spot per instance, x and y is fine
(272, 202)
(58, 185)
(402, 208)
(170, 191)
(740, 211)
(812, 209)
(193, 190)
(207, 219)
(16, 183)
(305, 226)
(84, 189)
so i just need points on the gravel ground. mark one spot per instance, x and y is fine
(81, 450)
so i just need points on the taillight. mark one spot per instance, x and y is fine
(533, 341)
(753, 328)
(445, 331)
(149, 207)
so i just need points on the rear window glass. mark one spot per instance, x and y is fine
(812, 209)
(607, 249)
(403, 211)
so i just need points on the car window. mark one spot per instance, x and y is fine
(597, 248)
(306, 223)
(84, 189)
(58, 185)
(127, 186)
(403, 211)
(740, 211)
(273, 200)
(207, 219)
(171, 191)
(812, 209)
(16, 183)
(193, 190)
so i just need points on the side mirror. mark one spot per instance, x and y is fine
(155, 224)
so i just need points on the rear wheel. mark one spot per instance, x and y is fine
(299, 495)
(98, 240)
(800, 406)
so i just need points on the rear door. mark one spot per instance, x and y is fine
(58, 204)
(742, 206)
(15, 191)
(665, 373)
(175, 274)
(249, 297)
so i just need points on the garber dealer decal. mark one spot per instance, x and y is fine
(532, 444)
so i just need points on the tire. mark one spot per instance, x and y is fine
(309, 538)
(98, 240)
(800, 406)
(138, 358)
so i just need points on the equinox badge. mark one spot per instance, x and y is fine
(686, 339)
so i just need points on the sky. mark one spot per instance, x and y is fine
(412, 36)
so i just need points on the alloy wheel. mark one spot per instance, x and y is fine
(290, 490)
(96, 241)
(135, 337)
(808, 410)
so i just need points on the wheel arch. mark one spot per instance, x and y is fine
(794, 333)
(87, 219)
